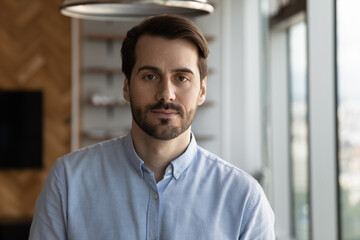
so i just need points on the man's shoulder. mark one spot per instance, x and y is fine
(101, 150)
(215, 164)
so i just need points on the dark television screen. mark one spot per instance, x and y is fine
(21, 129)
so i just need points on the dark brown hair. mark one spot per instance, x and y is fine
(167, 26)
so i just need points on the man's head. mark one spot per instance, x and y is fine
(166, 26)
(166, 71)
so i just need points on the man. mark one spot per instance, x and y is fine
(156, 182)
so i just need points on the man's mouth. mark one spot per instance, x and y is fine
(162, 113)
(166, 109)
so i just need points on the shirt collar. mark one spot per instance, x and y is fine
(179, 165)
(133, 158)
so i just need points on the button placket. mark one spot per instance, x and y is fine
(153, 207)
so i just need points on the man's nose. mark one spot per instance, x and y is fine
(166, 90)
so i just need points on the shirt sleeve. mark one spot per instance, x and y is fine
(49, 220)
(259, 218)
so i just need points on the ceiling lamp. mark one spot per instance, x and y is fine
(135, 9)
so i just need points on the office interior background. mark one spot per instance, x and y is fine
(283, 103)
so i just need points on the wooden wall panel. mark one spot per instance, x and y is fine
(35, 54)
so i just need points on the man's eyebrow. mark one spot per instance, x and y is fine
(148, 67)
(181, 70)
(158, 70)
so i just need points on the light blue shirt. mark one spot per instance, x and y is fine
(105, 192)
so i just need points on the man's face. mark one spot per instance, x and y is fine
(165, 88)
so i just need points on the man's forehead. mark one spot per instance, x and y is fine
(152, 50)
(159, 40)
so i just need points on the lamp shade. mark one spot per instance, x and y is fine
(130, 10)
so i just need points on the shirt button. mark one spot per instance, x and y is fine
(155, 196)
(169, 170)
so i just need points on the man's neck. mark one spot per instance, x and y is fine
(157, 154)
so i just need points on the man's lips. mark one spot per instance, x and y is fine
(166, 110)
(164, 113)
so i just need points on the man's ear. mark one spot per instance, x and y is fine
(202, 95)
(126, 90)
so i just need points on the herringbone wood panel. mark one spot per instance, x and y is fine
(35, 55)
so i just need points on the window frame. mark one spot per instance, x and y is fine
(322, 97)
(279, 125)
(280, 120)
(322, 119)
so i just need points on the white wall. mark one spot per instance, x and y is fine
(236, 84)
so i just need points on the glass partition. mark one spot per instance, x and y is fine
(299, 153)
(348, 70)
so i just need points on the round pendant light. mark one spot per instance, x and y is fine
(130, 10)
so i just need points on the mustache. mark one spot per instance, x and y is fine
(167, 106)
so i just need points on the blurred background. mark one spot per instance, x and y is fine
(283, 103)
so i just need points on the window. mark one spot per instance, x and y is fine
(289, 128)
(304, 161)
(348, 59)
(299, 153)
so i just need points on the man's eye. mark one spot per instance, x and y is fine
(182, 78)
(150, 77)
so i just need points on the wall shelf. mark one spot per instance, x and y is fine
(104, 134)
(97, 100)
(109, 105)
(102, 70)
(105, 37)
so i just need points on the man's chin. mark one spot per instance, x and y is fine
(164, 134)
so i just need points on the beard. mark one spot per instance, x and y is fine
(164, 129)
